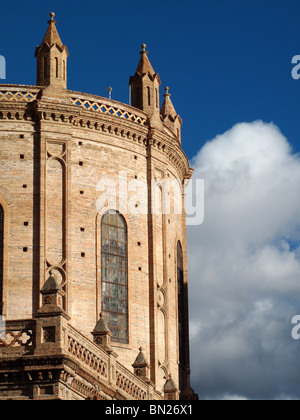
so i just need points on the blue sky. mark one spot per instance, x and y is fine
(224, 61)
(228, 64)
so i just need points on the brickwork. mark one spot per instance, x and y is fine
(57, 147)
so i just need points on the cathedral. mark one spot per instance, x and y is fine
(93, 252)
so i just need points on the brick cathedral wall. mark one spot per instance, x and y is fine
(90, 157)
(17, 175)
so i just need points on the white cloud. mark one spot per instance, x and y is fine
(195, 328)
(228, 397)
(244, 266)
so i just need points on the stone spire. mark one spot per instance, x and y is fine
(145, 89)
(102, 334)
(167, 108)
(52, 293)
(145, 66)
(170, 389)
(170, 116)
(141, 366)
(51, 37)
(52, 59)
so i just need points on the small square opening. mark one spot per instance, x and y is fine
(49, 334)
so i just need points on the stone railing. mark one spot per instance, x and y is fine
(21, 338)
(108, 107)
(18, 93)
(87, 352)
(130, 384)
(107, 368)
(87, 102)
(18, 334)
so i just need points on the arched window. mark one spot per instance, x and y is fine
(45, 67)
(64, 70)
(1, 257)
(181, 304)
(56, 66)
(149, 96)
(114, 275)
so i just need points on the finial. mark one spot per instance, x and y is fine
(109, 91)
(101, 315)
(167, 92)
(52, 15)
(144, 47)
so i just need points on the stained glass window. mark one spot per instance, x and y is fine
(114, 278)
(1, 257)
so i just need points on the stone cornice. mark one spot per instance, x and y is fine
(21, 102)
